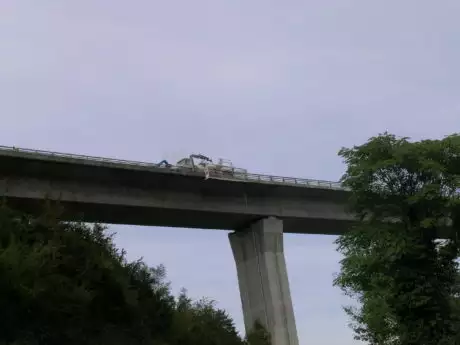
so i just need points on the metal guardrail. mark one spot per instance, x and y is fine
(236, 175)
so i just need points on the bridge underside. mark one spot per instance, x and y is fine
(150, 216)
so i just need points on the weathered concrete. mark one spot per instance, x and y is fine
(263, 279)
(122, 204)
(122, 194)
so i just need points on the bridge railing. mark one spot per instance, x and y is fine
(288, 180)
(233, 174)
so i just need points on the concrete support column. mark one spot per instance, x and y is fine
(263, 280)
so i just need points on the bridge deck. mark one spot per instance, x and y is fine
(124, 192)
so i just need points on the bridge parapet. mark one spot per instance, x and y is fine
(237, 174)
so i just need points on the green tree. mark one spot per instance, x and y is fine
(405, 195)
(201, 322)
(66, 283)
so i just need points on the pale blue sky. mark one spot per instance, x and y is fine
(276, 86)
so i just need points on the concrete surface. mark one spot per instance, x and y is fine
(263, 279)
(122, 194)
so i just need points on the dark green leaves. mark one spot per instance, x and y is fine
(405, 195)
(66, 283)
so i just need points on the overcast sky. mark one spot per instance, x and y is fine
(276, 86)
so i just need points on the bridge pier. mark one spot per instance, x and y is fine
(263, 280)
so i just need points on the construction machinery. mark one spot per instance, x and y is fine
(164, 163)
(199, 162)
(194, 162)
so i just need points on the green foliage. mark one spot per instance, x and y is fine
(202, 323)
(405, 195)
(66, 283)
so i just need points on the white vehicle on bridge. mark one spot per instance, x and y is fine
(198, 162)
(194, 162)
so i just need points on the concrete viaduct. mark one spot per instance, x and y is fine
(257, 208)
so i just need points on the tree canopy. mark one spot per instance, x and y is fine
(403, 277)
(66, 283)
